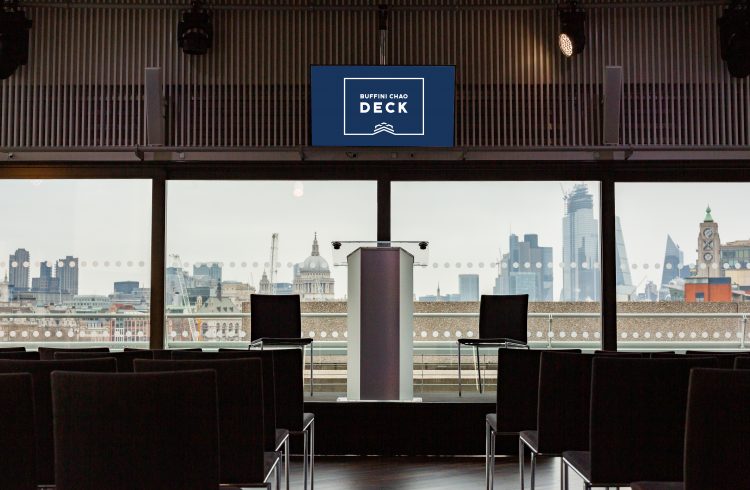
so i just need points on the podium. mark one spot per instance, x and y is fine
(380, 320)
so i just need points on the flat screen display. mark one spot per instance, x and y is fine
(382, 105)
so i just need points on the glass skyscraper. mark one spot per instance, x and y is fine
(526, 269)
(581, 273)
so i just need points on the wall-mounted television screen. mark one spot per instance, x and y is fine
(382, 105)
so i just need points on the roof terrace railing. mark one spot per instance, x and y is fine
(549, 340)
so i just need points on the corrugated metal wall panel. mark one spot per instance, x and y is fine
(84, 82)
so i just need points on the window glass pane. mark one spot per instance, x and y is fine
(689, 250)
(75, 261)
(220, 242)
(535, 238)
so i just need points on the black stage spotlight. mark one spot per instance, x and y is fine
(572, 38)
(734, 35)
(14, 38)
(195, 32)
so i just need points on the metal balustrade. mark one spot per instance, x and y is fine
(431, 345)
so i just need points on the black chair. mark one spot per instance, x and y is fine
(17, 437)
(12, 349)
(124, 359)
(26, 355)
(563, 409)
(290, 406)
(716, 446)
(148, 431)
(276, 321)
(48, 353)
(243, 460)
(742, 362)
(622, 354)
(637, 426)
(502, 323)
(517, 399)
(163, 354)
(725, 359)
(274, 438)
(663, 353)
(40, 372)
(667, 355)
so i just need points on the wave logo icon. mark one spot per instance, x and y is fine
(383, 128)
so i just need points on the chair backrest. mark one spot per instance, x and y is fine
(124, 359)
(12, 349)
(147, 431)
(504, 316)
(742, 362)
(666, 355)
(240, 394)
(290, 402)
(165, 354)
(725, 359)
(564, 402)
(40, 372)
(518, 388)
(26, 355)
(622, 354)
(48, 353)
(269, 389)
(275, 316)
(716, 445)
(17, 443)
(638, 408)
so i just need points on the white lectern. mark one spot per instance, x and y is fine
(380, 322)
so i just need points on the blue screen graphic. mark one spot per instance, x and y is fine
(382, 105)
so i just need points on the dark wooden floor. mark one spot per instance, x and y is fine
(421, 473)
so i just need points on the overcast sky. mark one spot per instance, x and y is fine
(232, 222)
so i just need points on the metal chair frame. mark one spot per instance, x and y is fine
(507, 344)
(259, 343)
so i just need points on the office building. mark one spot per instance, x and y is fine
(581, 272)
(126, 287)
(66, 272)
(19, 264)
(526, 269)
(468, 287)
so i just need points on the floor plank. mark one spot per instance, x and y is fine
(423, 473)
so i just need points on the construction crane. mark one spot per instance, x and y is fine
(185, 298)
(274, 259)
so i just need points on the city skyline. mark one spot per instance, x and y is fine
(88, 221)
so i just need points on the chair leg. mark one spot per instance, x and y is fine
(521, 455)
(459, 368)
(533, 470)
(492, 459)
(476, 366)
(304, 460)
(487, 430)
(312, 379)
(312, 454)
(286, 462)
(277, 471)
(564, 475)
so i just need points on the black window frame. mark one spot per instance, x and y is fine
(606, 172)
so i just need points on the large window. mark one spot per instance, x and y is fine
(227, 240)
(75, 261)
(535, 238)
(686, 250)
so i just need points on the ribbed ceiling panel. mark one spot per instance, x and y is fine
(84, 87)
